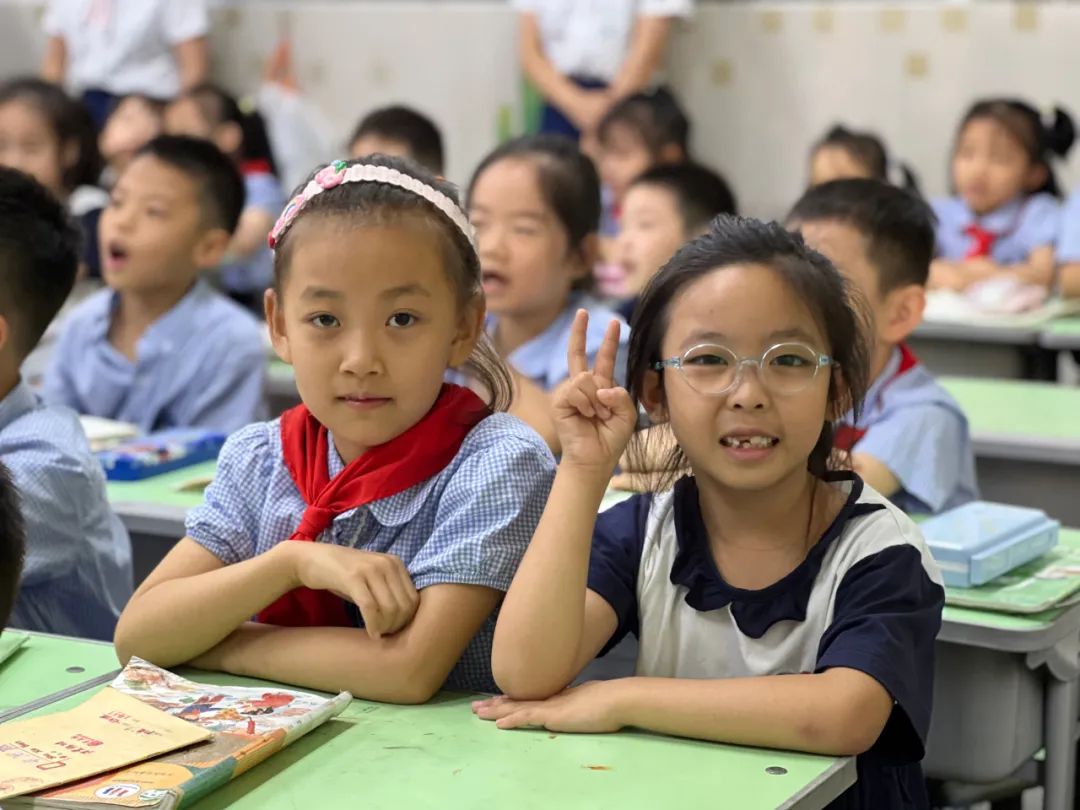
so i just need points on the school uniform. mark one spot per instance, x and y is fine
(1007, 235)
(915, 428)
(868, 597)
(201, 364)
(468, 524)
(1068, 244)
(543, 359)
(77, 574)
(587, 40)
(247, 279)
(117, 47)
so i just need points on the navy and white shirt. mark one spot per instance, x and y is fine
(1023, 225)
(868, 597)
(468, 525)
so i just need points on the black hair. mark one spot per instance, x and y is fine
(1040, 139)
(897, 225)
(68, 119)
(655, 116)
(868, 150)
(832, 301)
(380, 203)
(568, 182)
(221, 186)
(39, 256)
(701, 193)
(418, 132)
(218, 106)
(12, 544)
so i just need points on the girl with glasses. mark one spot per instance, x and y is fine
(777, 600)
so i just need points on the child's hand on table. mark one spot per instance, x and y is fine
(587, 709)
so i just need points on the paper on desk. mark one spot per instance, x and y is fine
(9, 643)
(946, 306)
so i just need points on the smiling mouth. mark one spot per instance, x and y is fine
(750, 442)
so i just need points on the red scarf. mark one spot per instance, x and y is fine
(403, 462)
(982, 241)
(847, 436)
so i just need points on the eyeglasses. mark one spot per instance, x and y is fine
(787, 368)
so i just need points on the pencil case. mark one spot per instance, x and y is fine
(160, 452)
(978, 542)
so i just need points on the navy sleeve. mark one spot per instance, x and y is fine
(617, 541)
(886, 618)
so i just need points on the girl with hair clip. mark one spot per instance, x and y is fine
(778, 601)
(207, 111)
(1004, 216)
(374, 528)
(844, 154)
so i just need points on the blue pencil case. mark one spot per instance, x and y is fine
(160, 452)
(978, 542)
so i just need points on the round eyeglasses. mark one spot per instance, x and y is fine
(787, 368)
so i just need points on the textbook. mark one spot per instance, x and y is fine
(248, 725)
(109, 731)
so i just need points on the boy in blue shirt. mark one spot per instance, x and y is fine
(160, 348)
(77, 573)
(911, 441)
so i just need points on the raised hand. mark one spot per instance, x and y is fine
(593, 417)
(378, 584)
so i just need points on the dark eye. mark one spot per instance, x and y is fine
(791, 361)
(707, 359)
(402, 319)
(323, 321)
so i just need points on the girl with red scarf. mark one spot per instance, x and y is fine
(406, 502)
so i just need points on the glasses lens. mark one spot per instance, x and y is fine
(789, 368)
(710, 369)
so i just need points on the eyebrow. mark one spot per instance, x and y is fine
(403, 290)
(519, 214)
(321, 293)
(793, 333)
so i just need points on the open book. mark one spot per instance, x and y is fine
(249, 726)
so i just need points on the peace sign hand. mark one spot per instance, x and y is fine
(594, 419)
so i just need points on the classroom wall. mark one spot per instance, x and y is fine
(763, 79)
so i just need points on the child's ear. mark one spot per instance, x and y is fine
(470, 327)
(275, 322)
(229, 138)
(671, 153)
(211, 247)
(904, 309)
(1037, 176)
(652, 397)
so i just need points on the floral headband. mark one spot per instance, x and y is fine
(340, 172)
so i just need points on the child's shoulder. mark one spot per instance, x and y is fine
(257, 441)
(1039, 206)
(225, 317)
(94, 309)
(918, 389)
(503, 434)
(48, 436)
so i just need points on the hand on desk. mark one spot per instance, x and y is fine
(586, 709)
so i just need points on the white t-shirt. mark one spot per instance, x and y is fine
(590, 37)
(125, 46)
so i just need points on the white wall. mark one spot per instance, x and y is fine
(762, 80)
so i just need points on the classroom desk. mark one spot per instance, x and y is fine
(1026, 437)
(1010, 684)
(969, 350)
(1063, 334)
(417, 756)
(153, 511)
(46, 664)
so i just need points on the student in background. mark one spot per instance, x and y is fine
(49, 136)
(207, 111)
(535, 203)
(582, 57)
(663, 209)
(422, 499)
(134, 122)
(106, 50)
(1068, 248)
(1004, 217)
(159, 347)
(844, 153)
(911, 442)
(399, 132)
(77, 573)
(12, 545)
(777, 600)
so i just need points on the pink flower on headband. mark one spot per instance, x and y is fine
(332, 175)
(286, 218)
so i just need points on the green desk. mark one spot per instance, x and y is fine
(1063, 334)
(48, 664)
(1026, 437)
(153, 511)
(440, 755)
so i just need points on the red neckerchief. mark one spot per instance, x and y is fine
(258, 166)
(983, 241)
(847, 436)
(403, 462)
